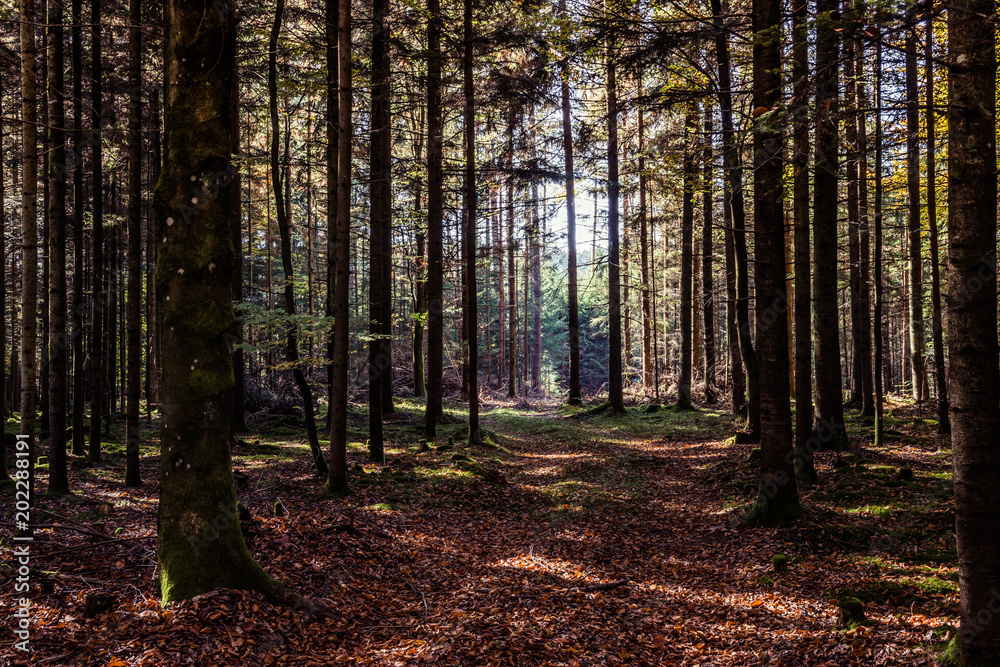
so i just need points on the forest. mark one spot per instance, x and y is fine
(499, 332)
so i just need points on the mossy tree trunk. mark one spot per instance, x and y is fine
(972, 324)
(200, 546)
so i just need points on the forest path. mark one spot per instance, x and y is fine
(565, 540)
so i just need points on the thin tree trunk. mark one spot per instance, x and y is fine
(972, 325)
(338, 15)
(937, 333)
(851, 61)
(284, 230)
(738, 397)
(79, 306)
(615, 397)
(29, 227)
(435, 221)
(915, 265)
(575, 397)
(687, 231)
(511, 279)
(471, 187)
(58, 476)
(134, 217)
(802, 308)
(734, 176)
(648, 318)
(829, 425)
(879, 337)
(5, 479)
(98, 299)
(235, 230)
(707, 285)
(867, 374)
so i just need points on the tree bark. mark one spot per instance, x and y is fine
(284, 230)
(804, 465)
(133, 476)
(511, 278)
(435, 221)
(972, 324)
(615, 397)
(777, 500)
(829, 424)
(79, 306)
(338, 14)
(98, 297)
(29, 223)
(731, 164)
(915, 262)
(879, 337)
(200, 547)
(937, 331)
(57, 357)
(575, 397)
(687, 231)
(707, 286)
(236, 231)
(469, 234)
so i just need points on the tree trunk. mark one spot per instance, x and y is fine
(511, 279)
(5, 479)
(284, 230)
(29, 225)
(851, 60)
(134, 218)
(338, 22)
(469, 235)
(777, 501)
(972, 325)
(687, 231)
(236, 232)
(58, 476)
(707, 295)
(644, 238)
(615, 397)
(738, 396)
(937, 332)
(804, 465)
(575, 397)
(98, 299)
(734, 176)
(829, 424)
(435, 221)
(200, 547)
(380, 190)
(879, 337)
(864, 302)
(915, 262)
(78, 279)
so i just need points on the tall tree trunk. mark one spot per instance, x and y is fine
(511, 279)
(879, 337)
(804, 465)
(420, 312)
(915, 261)
(284, 230)
(79, 306)
(5, 479)
(972, 324)
(29, 226)
(707, 295)
(687, 231)
(236, 232)
(58, 476)
(829, 425)
(734, 176)
(575, 397)
(648, 319)
(200, 547)
(469, 235)
(777, 500)
(738, 396)
(937, 332)
(379, 360)
(134, 217)
(338, 22)
(98, 299)
(864, 302)
(615, 397)
(435, 221)
(851, 60)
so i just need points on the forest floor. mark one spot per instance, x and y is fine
(566, 539)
